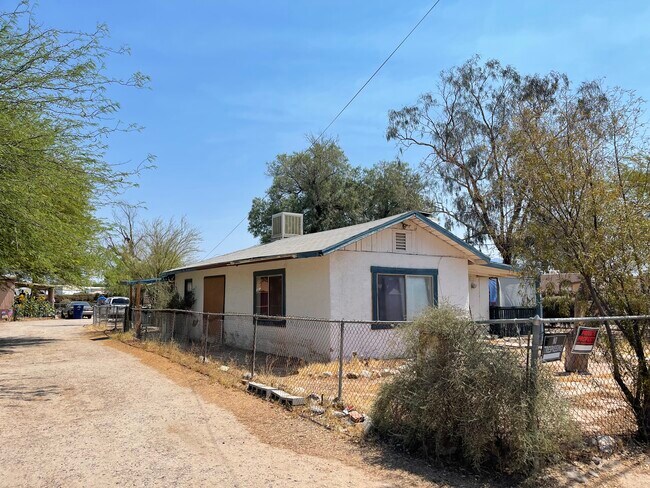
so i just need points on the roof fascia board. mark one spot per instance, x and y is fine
(366, 233)
(240, 262)
(419, 216)
(453, 237)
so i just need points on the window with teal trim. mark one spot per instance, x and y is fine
(402, 294)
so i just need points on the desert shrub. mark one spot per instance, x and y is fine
(465, 400)
(186, 302)
(558, 306)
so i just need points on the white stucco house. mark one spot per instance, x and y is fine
(387, 270)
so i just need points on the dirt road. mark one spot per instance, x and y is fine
(76, 413)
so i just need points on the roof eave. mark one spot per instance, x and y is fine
(238, 262)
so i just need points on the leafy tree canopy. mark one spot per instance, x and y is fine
(320, 183)
(55, 115)
(588, 173)
(468, 130)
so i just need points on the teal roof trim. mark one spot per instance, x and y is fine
(399, 219)
(358, 237)
(507, 267)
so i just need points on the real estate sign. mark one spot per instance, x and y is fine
(585, 340)
(552, 347)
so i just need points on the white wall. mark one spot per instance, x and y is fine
(338, 286)
(351, 279)
(479, 297)
(351, 284)
(307, 295)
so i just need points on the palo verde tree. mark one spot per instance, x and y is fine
(320, 183)
(55, 116)
(465, 129)
(589, 213)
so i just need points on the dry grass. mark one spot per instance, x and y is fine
(301, 379)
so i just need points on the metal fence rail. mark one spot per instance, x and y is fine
(111, 316)
(348, 361)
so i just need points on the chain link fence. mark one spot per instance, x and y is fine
(113, 317)
(348, 361)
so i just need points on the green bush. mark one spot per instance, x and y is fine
(465, 400)
(558, 306)
(176, 302)
(33, 306)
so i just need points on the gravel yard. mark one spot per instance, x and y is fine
(74, 412)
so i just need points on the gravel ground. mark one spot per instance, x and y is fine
(76, 413)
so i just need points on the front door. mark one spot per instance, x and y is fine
(214, 294)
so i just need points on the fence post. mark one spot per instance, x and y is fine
(206, 321)
(538, 330)
(254, 346)
(340, 391)
(171, 337)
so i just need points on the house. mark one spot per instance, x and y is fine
(387, 270)
(7, 295)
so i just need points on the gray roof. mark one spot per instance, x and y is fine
(322, 243)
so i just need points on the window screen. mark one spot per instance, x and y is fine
(403, 297)
(269, 299)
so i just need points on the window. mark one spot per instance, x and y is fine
(401, 294)
(269, 296)
(188, 287)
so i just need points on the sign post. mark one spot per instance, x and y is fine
(585, 340)
(552, 347)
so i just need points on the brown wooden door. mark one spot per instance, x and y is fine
(214, 294)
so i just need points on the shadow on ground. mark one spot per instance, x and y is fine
(9, 345)
(28, 394)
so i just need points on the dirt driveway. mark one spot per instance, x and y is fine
(76, 413)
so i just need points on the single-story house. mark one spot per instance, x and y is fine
(387, 270)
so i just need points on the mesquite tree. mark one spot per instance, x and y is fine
(55, 116)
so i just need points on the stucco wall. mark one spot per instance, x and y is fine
(337, 286)
(307, 295)
(351, 285)
(479, 297)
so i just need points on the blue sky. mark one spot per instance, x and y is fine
(235, 83)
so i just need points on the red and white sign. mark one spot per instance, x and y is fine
(585, 340)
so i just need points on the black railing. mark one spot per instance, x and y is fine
(504, 313)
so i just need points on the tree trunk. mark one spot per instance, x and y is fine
(575, 363)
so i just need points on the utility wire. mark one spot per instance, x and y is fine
(347, 104)
(378, 69)
(209, 253)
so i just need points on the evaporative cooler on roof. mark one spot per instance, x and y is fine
(285, 224)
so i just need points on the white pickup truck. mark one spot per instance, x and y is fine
(116, 306)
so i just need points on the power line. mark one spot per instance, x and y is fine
(347, 104)
(378, 69)
(209, 253)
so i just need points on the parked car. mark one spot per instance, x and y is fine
(68, 311)
(116, 306)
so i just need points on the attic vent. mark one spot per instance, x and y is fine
(400, 241)
(285, 224)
